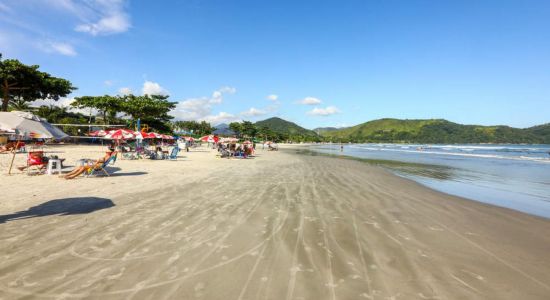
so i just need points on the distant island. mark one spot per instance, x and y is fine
(434, 131)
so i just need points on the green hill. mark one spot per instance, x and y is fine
(437, 131)
(542, 131)
(288, 130)
(321, 130)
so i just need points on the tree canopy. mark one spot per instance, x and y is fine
(195, 127)
(107, 105)
(27, 83)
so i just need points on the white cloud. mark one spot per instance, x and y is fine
(110, 17)
(253, 112)
(59, 48)
(310, 101)
(108, 82)
(272, 97)
(221, 117)
(193, 109)
(124, 91)
(217, 96)
(329, 110)
(153, 88)
(228, 90)
(200, 109)
(62, 102)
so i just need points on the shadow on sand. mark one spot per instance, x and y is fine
(62, 207)
(128, 173)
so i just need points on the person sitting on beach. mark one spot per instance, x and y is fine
(249, 150)
(79, 170)
(37, 159)
(10, 146)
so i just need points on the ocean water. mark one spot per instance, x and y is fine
(512, 176)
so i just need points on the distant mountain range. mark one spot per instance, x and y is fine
(223, 129)
(322, 130)
(438, 131)
(288, 129)
(413, 131)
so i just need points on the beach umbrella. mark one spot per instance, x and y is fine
(138, 135)
(247, 143)
(98, 133)
(188, 138)
(229, 140)
(24, 124)
(154, 135)
(29, 125)
(145, 135)
(210, 138)
(166, 137)
(120, 134)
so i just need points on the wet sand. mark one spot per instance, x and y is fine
(280, 226)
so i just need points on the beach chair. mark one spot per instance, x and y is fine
(102, 167)
(36, 162)
(174, 154)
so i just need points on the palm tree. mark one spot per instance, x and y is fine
(18, 104)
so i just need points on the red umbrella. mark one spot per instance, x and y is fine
(152, 135)
(98, 133)
(229, 140)
(120, 134)
(247, 143)
(210, 138)
(166, 137)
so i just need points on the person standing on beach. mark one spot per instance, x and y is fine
(341, 147)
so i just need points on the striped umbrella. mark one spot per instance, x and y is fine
(98, 133)
(120, 134)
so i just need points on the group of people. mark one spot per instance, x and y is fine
(234, 150)
(38, 159)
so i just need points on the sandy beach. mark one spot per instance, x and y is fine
(278, 226)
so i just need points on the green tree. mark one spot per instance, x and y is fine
(28, 83)
(107, 105)
(151, 109)
(236, 127)
(18, 103)
(205, 128)
(189, 126)
(267, 134)
(249, 129)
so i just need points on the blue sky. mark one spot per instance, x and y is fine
(317, 63)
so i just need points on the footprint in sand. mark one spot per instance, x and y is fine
(421, 253)
(199, 287)
(476, 276)
(116, 276)
(173, 258)
(62, 276)
(435, 228)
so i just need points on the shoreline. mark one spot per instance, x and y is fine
(436, 172)
(278, 226)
